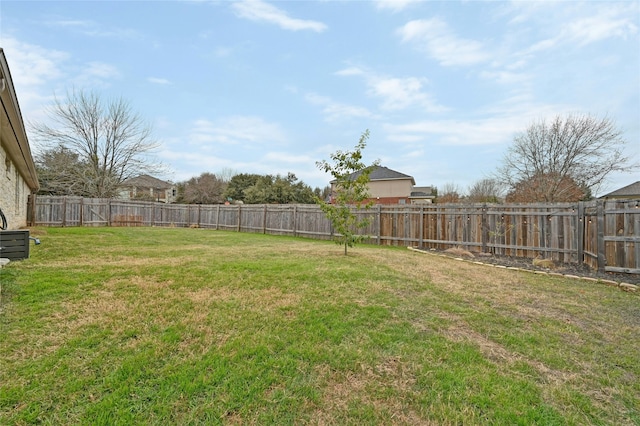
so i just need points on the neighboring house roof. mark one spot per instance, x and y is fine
(146, 181)
(632, 190)
(14, 136)
(383, 173)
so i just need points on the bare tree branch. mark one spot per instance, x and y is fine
(567, 152)
(112, 141)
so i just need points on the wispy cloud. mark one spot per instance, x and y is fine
(156, 80)
(562, 25)
(456, 132)
(34, 71)
(97, 74)
(438, 40)
(396, 93)
(34, 64)
(288, 158)
(493, 125)
(394, 5)
(92, 28)
(335, 111)
(258, 10)
(247, 131)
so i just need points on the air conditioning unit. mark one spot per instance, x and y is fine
(14, 245)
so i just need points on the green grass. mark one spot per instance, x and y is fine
(189, 326)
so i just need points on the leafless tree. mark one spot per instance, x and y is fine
(449, 193)
(225, 174)
(109, 137)
(579, 148)
(486, 190)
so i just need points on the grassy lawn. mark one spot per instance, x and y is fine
(189, 326)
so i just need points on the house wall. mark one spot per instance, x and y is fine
(388, 191)
(390, 188)
(14, 192)
(161, 195)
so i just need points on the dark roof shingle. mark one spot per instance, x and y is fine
(383, 173)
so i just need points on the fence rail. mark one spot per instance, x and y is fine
(603, 234)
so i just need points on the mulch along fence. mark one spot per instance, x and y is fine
(603, 234)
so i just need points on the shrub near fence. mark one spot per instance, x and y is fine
(602, 234)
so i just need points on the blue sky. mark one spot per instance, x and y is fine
(271, 87)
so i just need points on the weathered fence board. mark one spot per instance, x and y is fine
(602, 234)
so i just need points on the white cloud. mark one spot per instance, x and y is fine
(401, 93)
(284, 157)
(394, 5)
(495, 124)
(396, 93)
(507, 78)
(494, 130)
(581, 24)
(258, 10)
(247, 131)
(350, 71)
(436, 38)
(156, 80)
(93, 29)
(34, 70)
(599, 27)
(335, 111)
(96, 74)
(32, 65)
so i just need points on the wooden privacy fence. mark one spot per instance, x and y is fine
(603, 234)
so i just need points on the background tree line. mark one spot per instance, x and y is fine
(210, 188)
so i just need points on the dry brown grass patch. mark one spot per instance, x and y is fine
(459, 252)
(344, 388)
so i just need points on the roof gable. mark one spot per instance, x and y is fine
(146, 181)
(379, 173)
(631, 190)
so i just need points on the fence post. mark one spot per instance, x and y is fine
(64, 212)
(295, 220)
(264, 219)
(379, 214)
(109, 212)
(31, 209)
(602, 260)
(421, 237)
(580, 224)
(81, 211)
(484, 229)
(239, 217)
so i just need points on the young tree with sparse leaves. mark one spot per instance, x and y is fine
(351, 190)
